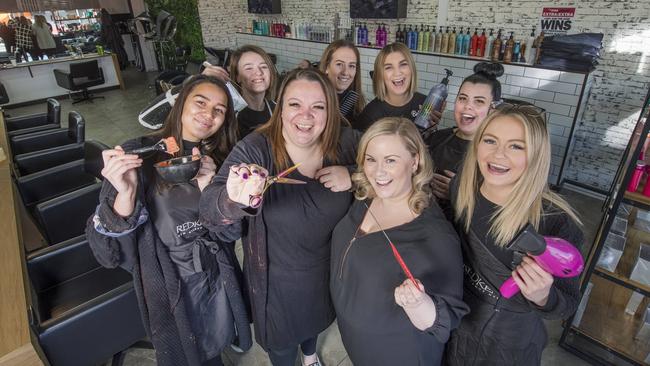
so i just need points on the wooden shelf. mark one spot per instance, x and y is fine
(637, 197)
(624, 281)
(606, 322)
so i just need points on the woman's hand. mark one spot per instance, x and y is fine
(533, 281)
(434, 116)
(336, 178)
(120, 170)
(441, 184)
(417, 305)
(206, 171)
(215, 71)
(246, 183)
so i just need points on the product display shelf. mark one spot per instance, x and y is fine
(606, 322)
(602, 331)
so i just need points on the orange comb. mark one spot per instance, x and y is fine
(171, 147)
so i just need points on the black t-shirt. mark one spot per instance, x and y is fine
(447, 150)
(481, 221)
(249, 119)
(378, 109)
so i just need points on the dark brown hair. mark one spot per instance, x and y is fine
(218, 145)
(234, 71)
(329, 137)
(325, 60)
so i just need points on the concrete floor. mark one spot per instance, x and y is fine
(114, 120)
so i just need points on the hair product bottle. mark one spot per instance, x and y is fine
(489, 43)
(496, 46)
(434, 102)
(444, 43)
(451, 45)
(459, 42)
(438, 40)
(509, 50)
(480, 45)
(473, 43)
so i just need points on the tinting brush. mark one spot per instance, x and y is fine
(167, 145)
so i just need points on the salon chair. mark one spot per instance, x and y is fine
(31, 123)
(82, 75)
(74, 134)
(81, 313)
(37, 161)
(64, 217)
(52, 182)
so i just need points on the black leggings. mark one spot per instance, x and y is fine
(287, 356)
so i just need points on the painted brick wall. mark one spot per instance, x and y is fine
(557, 92)
(619, 84)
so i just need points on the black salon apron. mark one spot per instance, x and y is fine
(497, 331)
(174, 210)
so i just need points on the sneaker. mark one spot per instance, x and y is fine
(316, 363)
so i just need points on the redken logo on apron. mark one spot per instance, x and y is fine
(188, 228)
(479, 283)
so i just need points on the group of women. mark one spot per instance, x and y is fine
(363, 211)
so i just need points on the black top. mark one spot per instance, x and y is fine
(378, 109)
(447, 150)
(286, 242)
(364, 275)
(168, 310)
(499, 330)
(481, 223)
(248, 119)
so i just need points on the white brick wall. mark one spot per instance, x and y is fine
(620, 81)
(431, 70)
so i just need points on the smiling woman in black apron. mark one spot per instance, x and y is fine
(151, 228)
(288, 229)
(383, 317)
(501, 189)
(472, 105)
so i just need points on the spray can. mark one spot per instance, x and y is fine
(434, 102)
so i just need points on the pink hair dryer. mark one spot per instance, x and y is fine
(558, 257)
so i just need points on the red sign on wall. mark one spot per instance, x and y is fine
(557, 20)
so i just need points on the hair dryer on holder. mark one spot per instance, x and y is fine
(556, 256)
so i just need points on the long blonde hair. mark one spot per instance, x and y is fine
(526, 202)
(378, 82)
(325, 60)
(420, 197)
(328, 139)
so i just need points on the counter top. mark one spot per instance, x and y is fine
(86, 56)
(461, 57)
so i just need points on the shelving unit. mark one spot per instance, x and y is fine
(606, 334)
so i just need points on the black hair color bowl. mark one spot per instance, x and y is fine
(179, 170)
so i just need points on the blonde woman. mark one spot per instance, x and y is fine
(501, 188)
(342, 65)
(383, 317)
(43, 34)
(288, 229)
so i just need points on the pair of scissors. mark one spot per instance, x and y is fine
(280, 178)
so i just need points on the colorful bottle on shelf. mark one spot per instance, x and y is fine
(432, 39)
(458, 49)
(637, 174)
(425, 40)
(516, 52)
(437, 41)
(480, 45)
(473, 43)
(489, 43)
(509, 49)
(502, 50)
(467, 40)
(409, 36)
(444, 43)
(451, 44)
(496, 46)
(398, 34)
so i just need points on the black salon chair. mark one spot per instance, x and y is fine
(81, 313)
(37, 161)
(74, 134)
(64, 217)
(38, 122)
(52, 182)
(82, 75)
